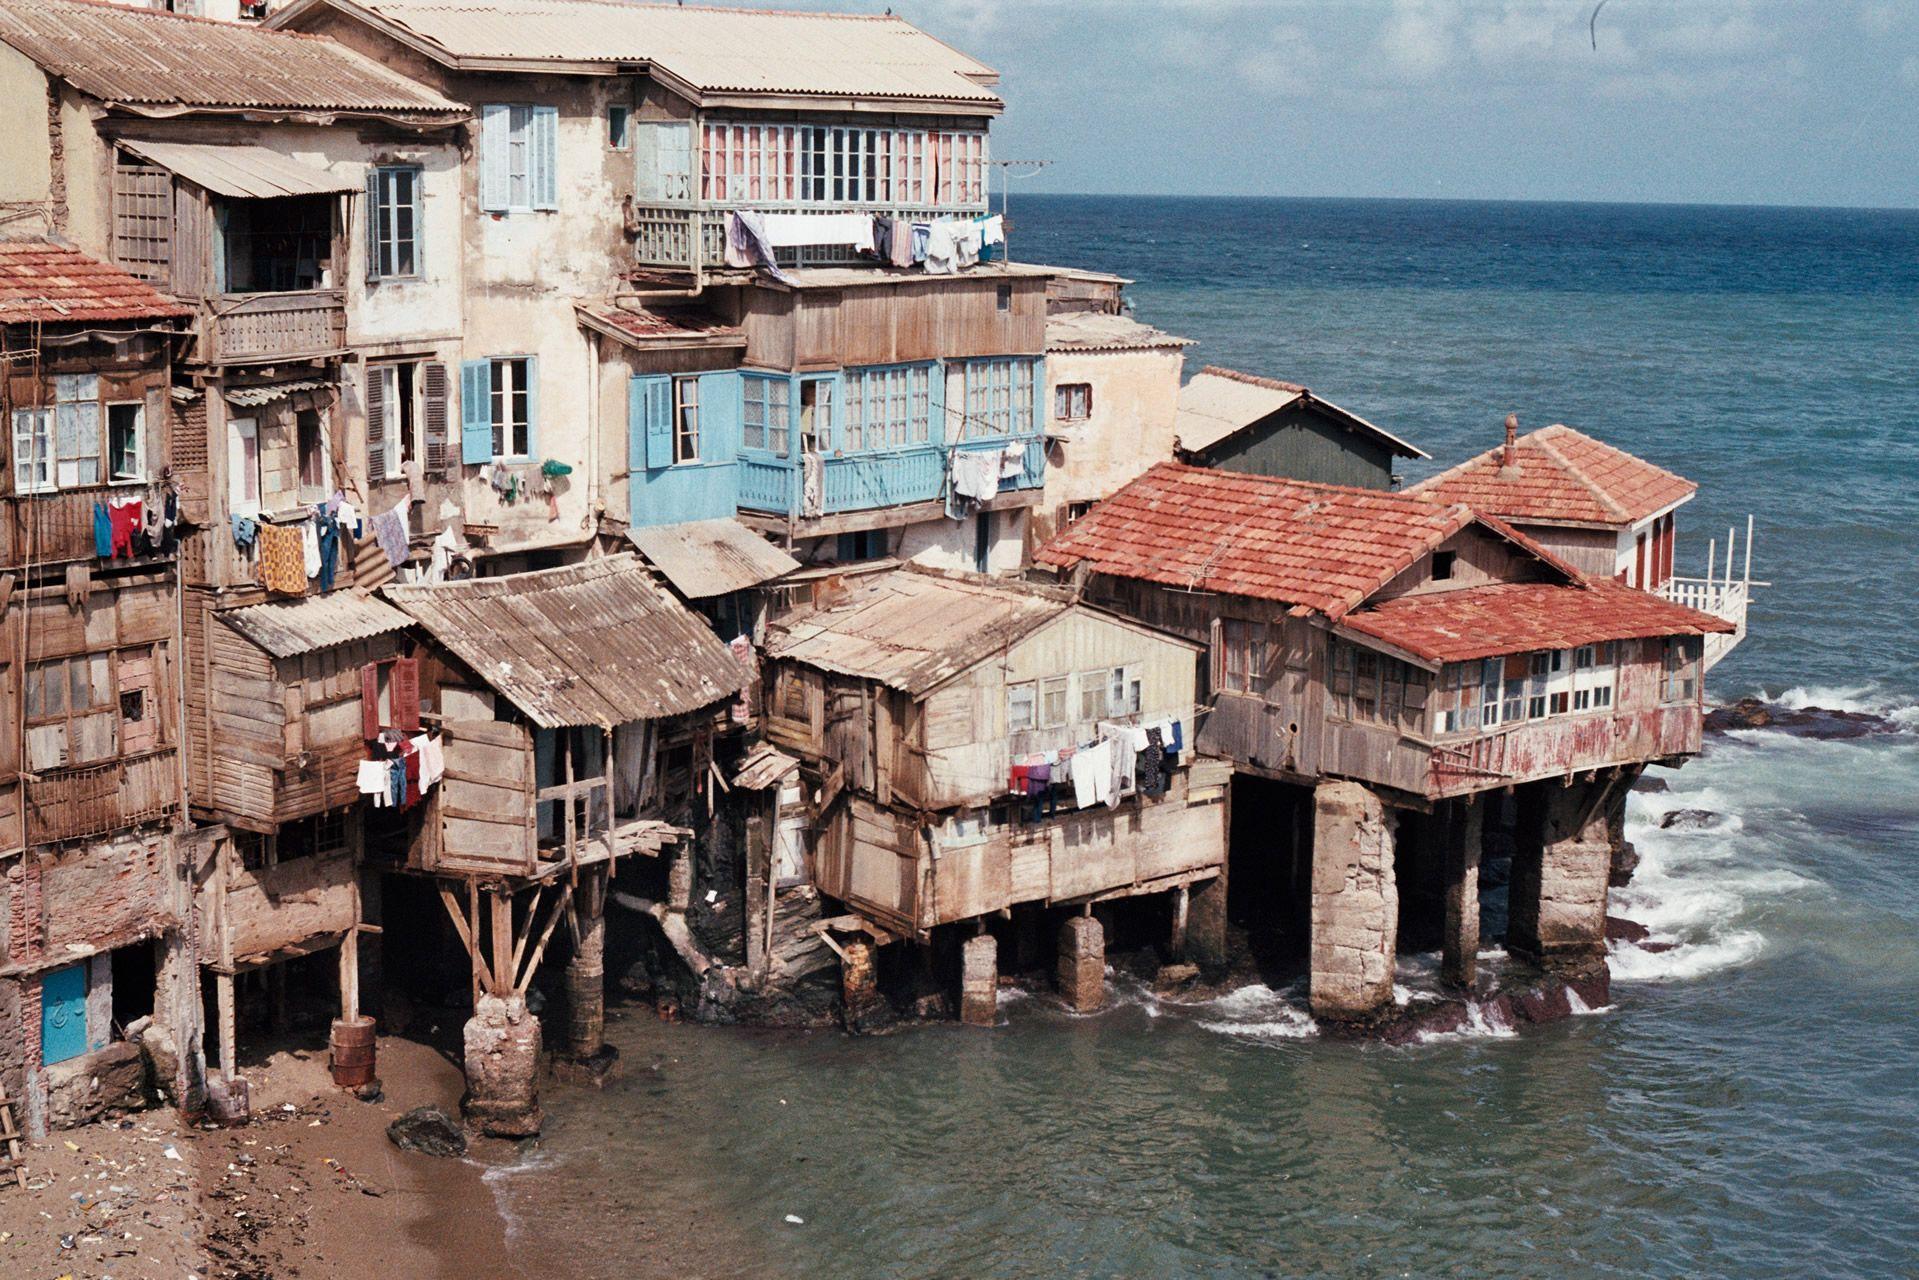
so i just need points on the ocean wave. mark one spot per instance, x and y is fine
(1898, 709)
(1256, 1013)
(1482, 1023)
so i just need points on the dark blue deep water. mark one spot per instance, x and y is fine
(1749, 1105)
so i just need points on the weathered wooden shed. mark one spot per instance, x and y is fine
(1265, 427)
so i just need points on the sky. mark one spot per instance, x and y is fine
(1810, 102)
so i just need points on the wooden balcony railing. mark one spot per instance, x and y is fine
(1722, 598)
(72, 804)
(238, 328)
(665, 235)
(46, 528)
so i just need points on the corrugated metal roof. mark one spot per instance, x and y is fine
(1560, 476)
(711, 49)
(912, 629)
(287, 628)
(246, 171)
(140, 56)
(636, 325)
(598, 643)
(1517, 617)
(267, 393)
(706, 558)
(55, 285)
(1097, 331)
(1219, 403)
(763, 767)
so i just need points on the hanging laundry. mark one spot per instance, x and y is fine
(1152, 765)
(812, 483)
(389, 530)
(102, 531)
(741, 647)
(1039, 785)
(747, 245)
(123, 518)
(922, 238)
(432, 761)
(310, 548)
(372, 780)
(975, 474)
(791, 230)
(282, 560)
(329, 539)
(1012, 461)
(942, 248)
(1016, 782)
(349, 518)
(901, 244)
(1093, 774)
(992, 238)
(245, 530)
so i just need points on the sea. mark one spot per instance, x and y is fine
(1747, 1105)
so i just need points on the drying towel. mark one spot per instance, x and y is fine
(432, 761)
(282, 560)
(372, 781)
(122, 519)
(389, 530)
(102, 531)
(1012, 461)
(975, 474)
(310, 549)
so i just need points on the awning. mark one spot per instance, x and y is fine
(288, 628)
(245, 171)
(267, 393)
(707, 558)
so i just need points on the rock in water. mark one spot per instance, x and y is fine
(1692, 820)
(428, 1130)
(1821, 723)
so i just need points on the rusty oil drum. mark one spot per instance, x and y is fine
(352, 1052)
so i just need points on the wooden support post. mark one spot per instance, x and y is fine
(559, 909)
(502, 941)
(229, 1033)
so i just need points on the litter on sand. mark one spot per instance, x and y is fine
(796, 1220)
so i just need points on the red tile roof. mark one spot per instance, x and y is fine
(1322, 546)
(1515, 617)
(42, 281)
(1560, 476)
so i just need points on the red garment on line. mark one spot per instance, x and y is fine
(124, 520)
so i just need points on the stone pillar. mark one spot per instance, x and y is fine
(1082, 964)
(679, 876)
(979, 981)
(1355, 925)
(1561, 866)
(1206, 922)
(859, 982)
(586, 989)
(1461, 834)
(503, 1068)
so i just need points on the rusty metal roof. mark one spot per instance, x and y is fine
(286, 628)
(598, 643)
(144, 57)
(708, 50)
(240, 170)
(913, 629)
(706, 558)
(56, 285)
(267, 392)
(1097, 331)
(657, 326)
(1220, 403)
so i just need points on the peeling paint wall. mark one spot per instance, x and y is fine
(1134, 397)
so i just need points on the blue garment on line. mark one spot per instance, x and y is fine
(102, 531)
(396, 781)
(245, 530)
(329, 548)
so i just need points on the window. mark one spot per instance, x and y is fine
(243, 466)
(617, 117)
(392, 418)
(816, 413)
(1092, 695)
(1020, 706)
(1052, 701)
(1682, 676)
(887, 408)
(686, 420)
(518, 145)
(1242, 655)
(1073, 401)
(775, 164)
(1443, 563)
(999, 398)
(1460, 702)
(126, 442)
(768, 413)
(393, 222)
(512, 402)
(72, 711)
(310, 432)
(1108, 692)
(862, 544)
(33, 451)
(1076, 511)
(1489, 686)
(76, 430)
(1003, 297)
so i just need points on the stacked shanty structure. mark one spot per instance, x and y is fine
(474, 464)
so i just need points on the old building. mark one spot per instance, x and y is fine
(1376, 661)
(1604, 511)
(995, 749)
(1264, 427)
(95, 926)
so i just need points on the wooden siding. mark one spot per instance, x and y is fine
(484, 806)
(1303, 444)
(1479, 559)
(1594, 552)
(934, 319)
(286, 904)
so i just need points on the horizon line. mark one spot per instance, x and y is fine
(1531, 200)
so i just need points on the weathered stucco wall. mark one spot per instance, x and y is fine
(26, 166)
(1135, 395)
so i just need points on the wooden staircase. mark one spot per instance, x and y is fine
(10, 1144)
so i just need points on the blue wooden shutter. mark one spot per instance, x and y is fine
(496, 136)
(544, 149)
(936, 403)
(636, 423)
(373, 224)
(653, 397)
(532, 406)
(721, 416)
(476, 411)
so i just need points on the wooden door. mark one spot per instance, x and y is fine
(486, 800)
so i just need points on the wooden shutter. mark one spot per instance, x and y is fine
(373, 224)
(496, 128)
(720, 416)
(532, 406)
(476, 412)
(658, 417)
(370, 701)
(433, 380)
(636, 423)
(376, 421)
(543, 155)
(404, 693)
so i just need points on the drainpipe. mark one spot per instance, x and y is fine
(593, 509)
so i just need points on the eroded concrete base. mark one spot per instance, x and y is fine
(979, 981)
(1082, 964)
(503, 1068)
(1355, 918)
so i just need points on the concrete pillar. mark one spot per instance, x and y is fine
(1082, 964)
(1355, 925)
(679, 876)
(859, 982)
(1561, 865)
(503, 1068)
(1462, 837)
(174, 1042)
(586, 989)
(1206, 922)
(979, 981)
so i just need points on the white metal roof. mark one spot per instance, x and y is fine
(1219, 403)
(240, 170)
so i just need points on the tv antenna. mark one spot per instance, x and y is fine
(1026, 168)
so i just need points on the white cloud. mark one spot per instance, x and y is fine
(1417, 42)
(1284, 64)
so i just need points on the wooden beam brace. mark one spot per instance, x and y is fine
(560, 908)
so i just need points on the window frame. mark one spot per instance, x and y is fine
(1022, 706)
(1064, 396)
(384, 212)
(686, 419)
(138, 446)
(33, 449)
(619, 137)
(997, 392)
(775, 412)
(501, 397)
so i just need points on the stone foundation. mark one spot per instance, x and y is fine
(862, 1005)
(503, 1068)
(586, 991)
(979, 981)
(1082, 964)
(1561, 870)
(81, 1090)
(1205, 941)
(1460, 825)
(1355, 924)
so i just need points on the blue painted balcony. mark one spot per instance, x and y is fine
(867, 481)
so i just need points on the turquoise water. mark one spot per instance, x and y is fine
(1747, 1105)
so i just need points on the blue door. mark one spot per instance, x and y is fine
(63, 1014)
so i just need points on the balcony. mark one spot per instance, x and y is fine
(868, 481)
(47, 528)
(1560, 746)
(667, 235)
(1721, 597)
(71, 804)
(257, 328)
